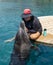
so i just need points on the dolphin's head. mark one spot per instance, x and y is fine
(22, 34)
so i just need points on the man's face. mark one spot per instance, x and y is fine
(27, 19)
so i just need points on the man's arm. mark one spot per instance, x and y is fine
(38, 27)
(34, 36)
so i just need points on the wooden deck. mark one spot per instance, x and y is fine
(45, 39)
(47, 22)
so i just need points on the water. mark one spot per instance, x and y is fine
(10, 12)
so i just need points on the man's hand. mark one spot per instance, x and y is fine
(32, 36)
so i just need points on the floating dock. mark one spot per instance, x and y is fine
(47, 22)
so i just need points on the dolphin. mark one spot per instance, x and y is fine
(22, 42)
(22, 47)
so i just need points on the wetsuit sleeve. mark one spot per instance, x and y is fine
(37, 26)
(31, 31)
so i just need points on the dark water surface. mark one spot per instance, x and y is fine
(10, 11)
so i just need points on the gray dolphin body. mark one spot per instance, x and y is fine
(22, 47)
(22, 42)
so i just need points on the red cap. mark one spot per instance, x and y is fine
(27, 11)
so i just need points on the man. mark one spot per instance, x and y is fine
(33, 26)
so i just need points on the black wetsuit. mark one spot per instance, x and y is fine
(33, 25)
